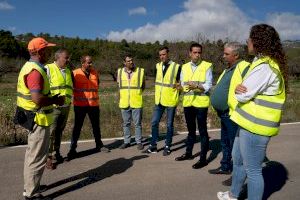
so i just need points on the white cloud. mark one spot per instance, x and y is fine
(6, 6)
(287, 24)
(137, 11)
(213, 19)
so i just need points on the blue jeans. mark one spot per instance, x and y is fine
(249, 151)
(193, 114)
(156, 117)
(228, 132)
(136, 115)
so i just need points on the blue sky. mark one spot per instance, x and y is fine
(150, 20)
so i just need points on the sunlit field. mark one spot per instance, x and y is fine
(110, 116)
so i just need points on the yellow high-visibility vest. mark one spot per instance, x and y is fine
(195, 98)
(60, 85)
(131, 90)
(262, 114)
(235, 80)
(43, 115)
(165, 94)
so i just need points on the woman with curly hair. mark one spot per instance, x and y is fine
(261, 97)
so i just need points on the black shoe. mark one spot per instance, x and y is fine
(58, 158)
(167, 151)
(124, 146)
(227, 182)
(185, 156)
(37, 197)
(200, 164)
(151, 149)
(219, 171)
(71, 155)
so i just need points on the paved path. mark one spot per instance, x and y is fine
(131, 175)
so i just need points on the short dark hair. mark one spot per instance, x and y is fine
(82, 59)
(195, 45)
(164, 48)
(127, 55)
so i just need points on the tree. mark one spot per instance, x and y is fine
(9, 46)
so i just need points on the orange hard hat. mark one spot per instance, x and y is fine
(38, 43)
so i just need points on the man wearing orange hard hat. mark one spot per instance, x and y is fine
(34, 112)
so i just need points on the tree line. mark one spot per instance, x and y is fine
(108, 55)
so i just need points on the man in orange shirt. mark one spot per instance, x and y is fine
(86, 101)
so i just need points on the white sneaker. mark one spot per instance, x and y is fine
(224, 196)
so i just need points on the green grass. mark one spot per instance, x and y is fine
(291, 111)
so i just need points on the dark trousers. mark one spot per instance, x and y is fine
(156, 117)
(193, 114)
(94, 116)
(228, 132)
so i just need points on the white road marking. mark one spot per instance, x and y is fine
(121, 138)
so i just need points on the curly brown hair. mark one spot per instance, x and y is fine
(266, 42)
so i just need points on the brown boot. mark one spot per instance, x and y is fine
(49, 164)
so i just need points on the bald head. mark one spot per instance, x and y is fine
(86, 62)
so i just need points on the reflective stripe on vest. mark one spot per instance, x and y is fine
(237, 78)
(60, 85)
(262, 114)
(85, 99)
(194, 93)
(85, 91)
(43, 115)
(165, 94)
(131, 90)
(253, 119)
(195, 98)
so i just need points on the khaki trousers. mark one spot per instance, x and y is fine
(35, 159)
(56, 129)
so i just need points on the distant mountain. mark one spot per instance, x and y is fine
(291, 43)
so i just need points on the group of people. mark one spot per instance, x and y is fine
(248, 98)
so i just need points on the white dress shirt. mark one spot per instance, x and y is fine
(261, 80)
(208, 80)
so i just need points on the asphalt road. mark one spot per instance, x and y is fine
(131, 175)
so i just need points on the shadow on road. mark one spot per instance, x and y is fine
(181, 143)
(110, 168)
(275, 176)
(115, 144)
(85, 153)
(214, 146)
